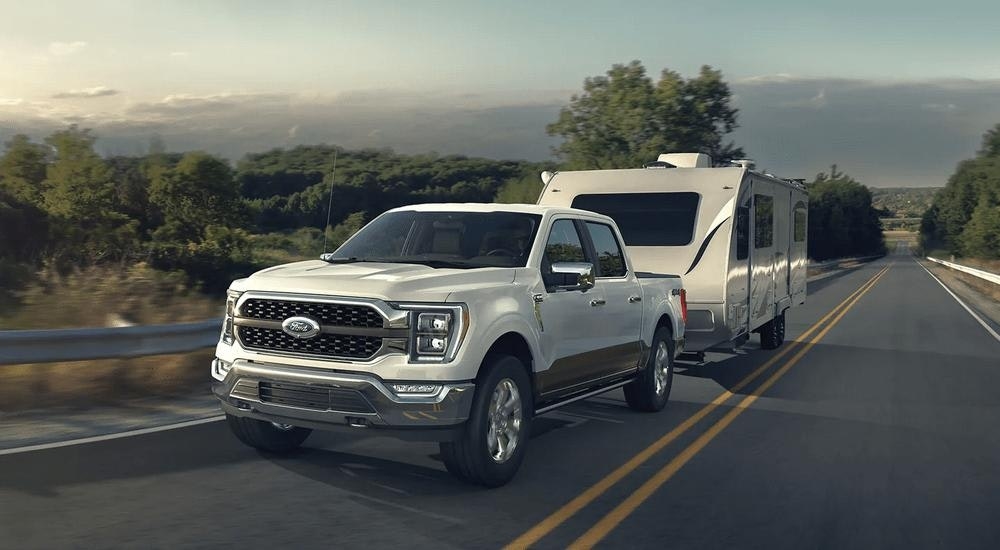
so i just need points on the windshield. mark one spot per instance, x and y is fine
(444, 239)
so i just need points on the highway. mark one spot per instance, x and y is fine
(876, 425)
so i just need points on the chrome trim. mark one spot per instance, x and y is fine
(395, 325)
(239, 394)
(587, 395)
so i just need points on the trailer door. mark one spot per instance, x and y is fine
(762, 257)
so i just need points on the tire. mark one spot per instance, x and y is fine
(265, 435)
(772, 334)
(650, 391)
(477, 456)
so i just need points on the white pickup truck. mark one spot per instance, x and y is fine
(449, 322)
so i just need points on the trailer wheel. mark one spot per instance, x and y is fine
(651, 389)
(772, 334)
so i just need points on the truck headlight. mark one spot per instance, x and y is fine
(228, 334)
(436, 331)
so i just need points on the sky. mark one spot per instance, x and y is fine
(894, 93)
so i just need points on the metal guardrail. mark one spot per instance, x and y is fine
(991, 277)
(78, 344)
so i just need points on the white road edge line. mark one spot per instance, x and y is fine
(106, 437)
(975, 315)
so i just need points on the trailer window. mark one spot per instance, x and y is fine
(610, 262)
(647, 219)
(742, 232)
(800, 222)
(763, 217)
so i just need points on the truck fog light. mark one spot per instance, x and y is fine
(221, 367)
(415, 388)
(434, 322)
(431, 345)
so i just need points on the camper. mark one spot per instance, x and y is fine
(737, 236)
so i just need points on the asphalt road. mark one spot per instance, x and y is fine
(880, 429)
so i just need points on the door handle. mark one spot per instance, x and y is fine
(634, 299)
(597, 302)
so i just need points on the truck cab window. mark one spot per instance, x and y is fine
(610, 262)
(564, 244)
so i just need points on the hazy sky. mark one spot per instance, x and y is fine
(893, 92)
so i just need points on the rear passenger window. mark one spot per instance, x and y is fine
(763, 216)
(610, 262)
(564, 243)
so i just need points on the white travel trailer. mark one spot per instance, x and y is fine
(736, 236)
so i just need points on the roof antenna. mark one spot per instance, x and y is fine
(329, 204)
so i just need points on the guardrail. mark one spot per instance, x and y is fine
(991, 277)
(78, 344)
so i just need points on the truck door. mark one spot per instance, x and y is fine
(618, 346)
(570, 319)
(762, 257)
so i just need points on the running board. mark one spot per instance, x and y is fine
(582, 396)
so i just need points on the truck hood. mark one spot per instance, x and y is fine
(384, 281)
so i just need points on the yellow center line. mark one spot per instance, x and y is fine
(601, 529)
(569, 509)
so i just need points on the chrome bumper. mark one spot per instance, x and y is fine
(372, 403)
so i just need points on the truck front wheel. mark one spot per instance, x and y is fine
(267, 436)
(491, 446)
(651, 389)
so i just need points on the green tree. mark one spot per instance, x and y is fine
(962, 218)
(80, 200)
(199, 191)
(623, 120)
(23, 167)
(842, 220)
(524, 190)
(344, 230)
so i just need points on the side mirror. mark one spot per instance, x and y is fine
(571, 276)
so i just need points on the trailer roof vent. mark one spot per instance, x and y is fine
(744, 163)
(686, 160)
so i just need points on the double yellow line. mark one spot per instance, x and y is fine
(595, 534)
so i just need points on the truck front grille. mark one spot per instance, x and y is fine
(322, 345)
(314, 397)
(339, 315)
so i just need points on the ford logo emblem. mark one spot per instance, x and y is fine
(300, 327)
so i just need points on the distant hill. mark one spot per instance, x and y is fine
(903, 202)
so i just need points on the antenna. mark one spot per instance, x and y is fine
(329, 203)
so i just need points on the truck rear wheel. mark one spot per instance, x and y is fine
(772, 334)
(267, 436)
(651, 389)
(492, 444)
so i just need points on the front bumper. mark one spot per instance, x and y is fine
(273, 392)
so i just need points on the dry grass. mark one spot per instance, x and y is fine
(97, 297)
(88, 383)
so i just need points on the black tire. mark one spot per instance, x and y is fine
(772, 334)
(649, 392)
(266, 436)
(470, 456)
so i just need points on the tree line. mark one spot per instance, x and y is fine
(964, 218)
(63, 206)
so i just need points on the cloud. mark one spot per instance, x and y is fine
(66, 48)
(179, 54)
(10, 101)
(86, 93)
(817, 101)
(939, 107)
